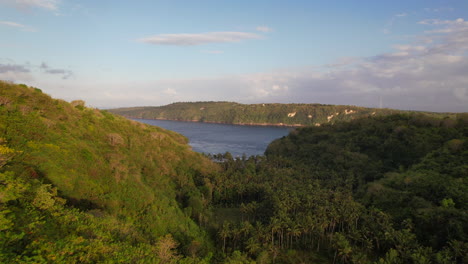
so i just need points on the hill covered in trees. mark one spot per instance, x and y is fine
(80, 185)
(389, 189)
(255, 114)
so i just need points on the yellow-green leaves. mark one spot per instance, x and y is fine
(46, 197)
(11, 187)
(6, 153)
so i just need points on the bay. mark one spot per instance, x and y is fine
(221, 138)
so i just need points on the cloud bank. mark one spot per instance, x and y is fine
(198, 39)
(26, 72)
(429, 74)
(14, 72)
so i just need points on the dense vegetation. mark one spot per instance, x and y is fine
(379, 190)
(82, 185)
(79, 185)
(254, 114)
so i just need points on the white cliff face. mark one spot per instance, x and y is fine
(293, 114)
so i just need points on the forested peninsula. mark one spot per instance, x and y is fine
(294, 115)
(82, 185)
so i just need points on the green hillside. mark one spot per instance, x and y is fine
(255, 114)
(80, 185)
(387, 189)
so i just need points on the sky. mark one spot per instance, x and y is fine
(410, 55)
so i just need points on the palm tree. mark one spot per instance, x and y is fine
(224, 233)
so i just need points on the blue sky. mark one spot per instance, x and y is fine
(405, 54)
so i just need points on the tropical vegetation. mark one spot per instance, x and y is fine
(81, 185)
(258, 114)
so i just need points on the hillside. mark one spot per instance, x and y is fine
(389, 189)
(255, 114)
(82, 185)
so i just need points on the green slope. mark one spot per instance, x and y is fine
(136, 176)
(390, 189)
(255, 114)
(79, 185)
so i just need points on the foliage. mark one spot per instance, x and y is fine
(388, 189)
(255, 114)
(123, 182)
(80, 185)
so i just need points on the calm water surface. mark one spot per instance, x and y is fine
(219, 138)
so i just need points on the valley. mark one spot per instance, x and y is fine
(82, 185)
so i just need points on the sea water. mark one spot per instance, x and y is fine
(221, 138)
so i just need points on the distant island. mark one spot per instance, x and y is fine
(294, 115)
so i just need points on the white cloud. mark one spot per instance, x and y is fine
(409, 48)
(170, 91)
(458, 21)
(264, 29)
(264, 89)
(12, 24)
(431, 75)
(461, 93)
(428, 74)
(440, 9)
(213, 51)
(25, 4)
(277, 87)
(16, 25)
(198, 39)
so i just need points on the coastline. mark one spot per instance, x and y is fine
(224, 123)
